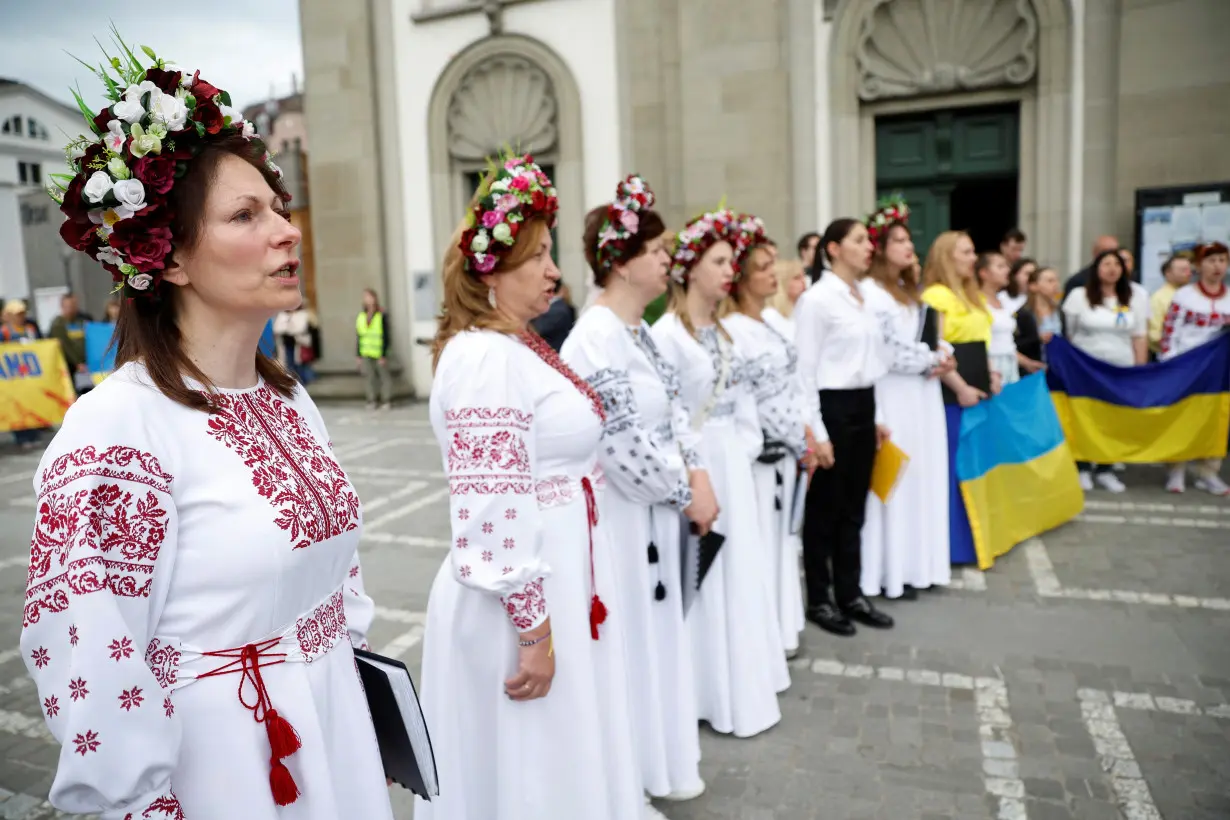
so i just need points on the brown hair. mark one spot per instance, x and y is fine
(465, 305)
(1013, 287)
(983, 262)
(733, 303)
(1035, 299)
(941, 269)
(147, 330)
(677, 303)
(651, 227)
(1211, 249)
(901, 285)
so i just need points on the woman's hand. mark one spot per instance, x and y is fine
(703, 510)
(997, 382)
(823, 455)
(883, 434)
(1031, 365)
(1046, 336)
(535, 665)
(968, 396)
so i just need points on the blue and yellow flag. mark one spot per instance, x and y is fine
(1018, 478)
(35, 388)
(1178, 410)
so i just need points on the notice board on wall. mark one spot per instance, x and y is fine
(1176, 220)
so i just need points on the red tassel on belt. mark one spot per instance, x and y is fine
(283, 740)
(597, 609)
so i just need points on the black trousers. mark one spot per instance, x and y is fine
(837, 498)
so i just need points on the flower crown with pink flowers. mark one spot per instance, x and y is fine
(892, 209)
(748, 233)
(697, 237)
(512, 191)
(116, 201)
(632, 197)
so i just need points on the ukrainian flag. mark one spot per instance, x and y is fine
(1018, 478)
(1177, 410)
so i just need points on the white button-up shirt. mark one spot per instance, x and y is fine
(839, 344)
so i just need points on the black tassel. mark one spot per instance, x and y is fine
(659, 594)
(653, 553)
(777, 503)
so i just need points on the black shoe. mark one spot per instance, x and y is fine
(908, 593)
(861, 610)
(830, 619)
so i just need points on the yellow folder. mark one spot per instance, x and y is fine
(891, 462)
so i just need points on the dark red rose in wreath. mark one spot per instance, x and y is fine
(207, 114)
(144, 247)
(74, 204)
(201, 89)
(513, 227)
(167, 81)
(539, 201)
(101, 119)
(78, 233)
(467, 237)
(157, 173)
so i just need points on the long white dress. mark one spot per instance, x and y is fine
(771, 370)
(906, 540)
(647, 447)
(519, 442)
(737, 652)
(164, 533)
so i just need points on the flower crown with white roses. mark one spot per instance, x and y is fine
(512, 191)
(891, 210)
(633, 196)
(697, 237)
(116, 201)
(748, 233)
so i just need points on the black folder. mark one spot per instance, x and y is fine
(401, 731)
(973, 366)
(929, 332)
(699, 553)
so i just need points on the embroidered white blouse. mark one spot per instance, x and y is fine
(1194, 317)
(771, 370)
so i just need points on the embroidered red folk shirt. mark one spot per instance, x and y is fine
(1195, 316)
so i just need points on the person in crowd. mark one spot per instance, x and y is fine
(1013, 296)
(112, 310)
(557, 322)
(372, 351)
(840, 362)
(992, 272)
(203, 667)
(654, 473)
(524, 672)
(1198, 312)
(771, 372)
(17, 327)
(791, 282)
(69, 330)
(951, 288)
(298, 337)
(1079, 279)
(1040, 319)
(1012, 246)
(1106, 320)
(807, 254)
(905, 542)
(737, 653)
(1177, 271)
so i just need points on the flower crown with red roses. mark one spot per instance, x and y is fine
(514, 190)
(891, 210)
(697, 237)
(116, 201)
(748, 233)
(623, 220)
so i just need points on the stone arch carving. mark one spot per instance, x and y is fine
(506, 90)
(1041, 83)
(911, 47)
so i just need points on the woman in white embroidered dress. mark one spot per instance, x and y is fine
(648, 454)
(194, 535)
(737, 652)
(524, 677)
(771, 372)
(905, 542)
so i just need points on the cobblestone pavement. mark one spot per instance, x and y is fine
(1086, 676)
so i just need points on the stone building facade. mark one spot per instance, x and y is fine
(1042, 114)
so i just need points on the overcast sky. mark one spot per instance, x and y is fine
(243, 46)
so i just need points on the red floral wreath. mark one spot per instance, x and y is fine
(632, 197)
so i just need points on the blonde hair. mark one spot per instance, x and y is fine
(785, 270)
(678, 305)
(465, 305)
(941, 269)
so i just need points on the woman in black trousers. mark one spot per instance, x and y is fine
(839, 361)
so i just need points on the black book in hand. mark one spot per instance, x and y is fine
(401, 731)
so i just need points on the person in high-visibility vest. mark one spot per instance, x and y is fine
(372, 349)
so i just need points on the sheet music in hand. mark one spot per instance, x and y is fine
(401, 731)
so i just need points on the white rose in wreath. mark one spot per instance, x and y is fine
(170, 111)
(110, 255)
(502, 233)
(141, 281)
(479, 243)
(128, 110)
(97, 186)
(130, 193)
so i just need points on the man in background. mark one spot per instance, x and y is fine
(69, 330)
(557, 322)
(1012, 246)
(1081, 277)
(1178, 272)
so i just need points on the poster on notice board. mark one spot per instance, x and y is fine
(1166, 230)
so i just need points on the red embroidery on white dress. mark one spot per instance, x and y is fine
(52, 706)
(320, 631)
(463, 514)
(507, 570)
(121, 648)
(487, 556)
(547, 353)
(72, 635)
(556, 490)
(77, 689)
(304, 484)
(354, 572)
(510, 514)
(167, 706)
(488, 463)
(86, 742)
(462, 542)
(509, 543)
(488, 528)
(40, 657)
(465, 570)
(163, 662)
(526, 606)
(131, 698)
(96, 538)
(166, 806)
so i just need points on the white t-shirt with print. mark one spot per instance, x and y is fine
(1106, 331)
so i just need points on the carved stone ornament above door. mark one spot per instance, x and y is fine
(908, 48)
(504, 100)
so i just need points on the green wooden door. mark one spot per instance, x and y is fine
(926, 156)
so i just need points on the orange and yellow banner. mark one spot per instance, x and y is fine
(35, 387)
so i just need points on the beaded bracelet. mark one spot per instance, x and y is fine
(536, 641)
